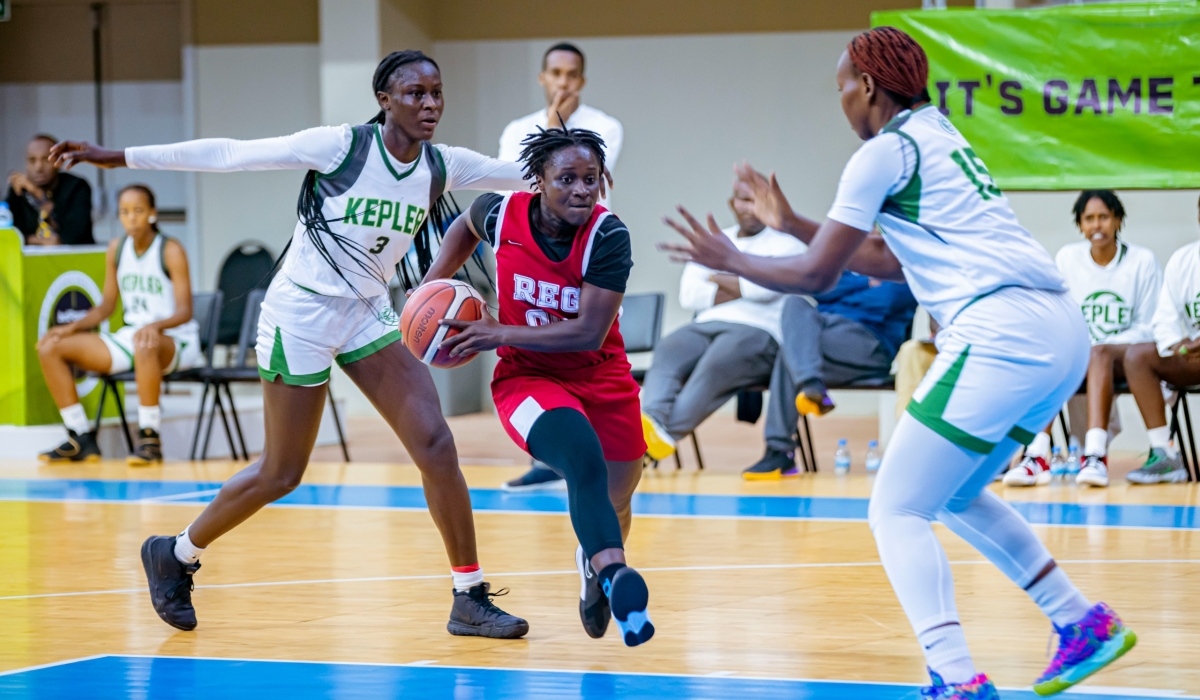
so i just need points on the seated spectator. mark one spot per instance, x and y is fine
(730, 344)
(1116, 284)
(852, 334)
(149, 272)
(1173, 357)
(49, 207)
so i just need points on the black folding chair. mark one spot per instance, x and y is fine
(239, 372)
(204, 310)
(1191, 461)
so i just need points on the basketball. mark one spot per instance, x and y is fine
(430, 303)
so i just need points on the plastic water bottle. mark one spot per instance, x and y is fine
(6, 220)
(1058, 465)
(841, 459)
(1073, 462)
(874, 457)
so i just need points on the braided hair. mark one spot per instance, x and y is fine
(363, 264)
(540, 147)
(896, 61)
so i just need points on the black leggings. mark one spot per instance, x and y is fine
(564, 439)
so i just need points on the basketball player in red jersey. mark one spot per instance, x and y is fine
(562, 387)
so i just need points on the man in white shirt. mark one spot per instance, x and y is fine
(730, 345)
(563, 80)
(1173, 357)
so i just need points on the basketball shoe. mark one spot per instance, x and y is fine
(1030, 471)
(978, 688)
(1094, 471)
(813, 399)
(774, 465)
(1084, 648)
(629, 599)
(77, 448)
(659, 443)
(475, 615)
(1160, 467)
(148, 451)
(594, 610)
(170, 582)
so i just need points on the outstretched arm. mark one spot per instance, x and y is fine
(598, 308)
(829, 252)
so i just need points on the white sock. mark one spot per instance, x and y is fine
(466, 577)
(185, 551)
(149, 417)
(1059, 599)
(75, 418)
(1096, 442)
(1161, 438)
(1040, 447)
(947, 654)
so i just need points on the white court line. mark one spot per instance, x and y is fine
(1103, 690)
(564, 572)
(178, 496)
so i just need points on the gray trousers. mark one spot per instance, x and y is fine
(699, 367)
(822, 346)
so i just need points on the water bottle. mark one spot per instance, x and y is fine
(1058, 465)
(874, 457)
(6, 220)
(841, 459)
(1073, 462)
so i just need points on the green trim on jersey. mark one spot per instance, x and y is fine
(907, 202)
(304, 289)
(387, 160)
(279, 367)
(122, 348)
(368, 349)
(345, 161)
(1021, 435)
(930, 409)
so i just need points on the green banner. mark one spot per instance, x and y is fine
(1070, 97)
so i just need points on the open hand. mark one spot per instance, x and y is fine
(770, 204)
(474, 336)
(709, 246)
(67, 154)
(21, 184)
(146, 338)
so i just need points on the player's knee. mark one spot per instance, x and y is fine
(1143, 356)
(1101, 353)
(436, 451)
(47, 350)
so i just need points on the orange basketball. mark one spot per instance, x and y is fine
(430, 303)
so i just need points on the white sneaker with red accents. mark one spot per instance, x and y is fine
(1031, 471)
(1094, 471)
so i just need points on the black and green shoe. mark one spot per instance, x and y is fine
(1160, 467)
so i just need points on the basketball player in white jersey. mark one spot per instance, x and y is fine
(149, 273)
(365, 198)
(951, 233)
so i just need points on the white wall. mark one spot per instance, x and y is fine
(694, 105)
(134, 113)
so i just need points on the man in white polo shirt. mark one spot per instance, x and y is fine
(562, 80)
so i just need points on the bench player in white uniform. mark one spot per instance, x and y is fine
(1115, 284)
(1173, 357)
(951, 233)
(149, 272)
(366, 195)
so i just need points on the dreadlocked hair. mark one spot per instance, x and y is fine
(545, 143)
(895, 60)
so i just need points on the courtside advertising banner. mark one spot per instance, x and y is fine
(1070, 97)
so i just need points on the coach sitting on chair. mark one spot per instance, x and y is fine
(731, 343)
(850, 336)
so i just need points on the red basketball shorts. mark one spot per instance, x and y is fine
(605, 394)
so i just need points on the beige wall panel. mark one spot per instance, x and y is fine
(223, 22)
(143, 42)
(519, 19)
(403, 25)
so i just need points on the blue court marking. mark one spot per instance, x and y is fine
(178, 678)
(646, 504)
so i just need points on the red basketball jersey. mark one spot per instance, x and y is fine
(535, 290)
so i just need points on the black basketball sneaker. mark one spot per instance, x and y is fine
(475, 615)
(630, 599)
(594, 610)
(148, 450)
(78, 448)
(170, 582)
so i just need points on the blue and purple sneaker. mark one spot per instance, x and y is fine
(978, 688)
(1084, 648)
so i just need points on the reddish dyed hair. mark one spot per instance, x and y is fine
(895, 60)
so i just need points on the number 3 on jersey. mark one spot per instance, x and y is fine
(976, 172)
(380, 244)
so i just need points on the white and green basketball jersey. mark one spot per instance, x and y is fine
(948, 223)
(1177, 314)
(147, 292)
(1117, 299)
(374, 206)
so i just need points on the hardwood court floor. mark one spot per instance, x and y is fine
(792, 597)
